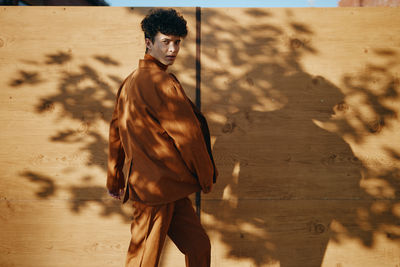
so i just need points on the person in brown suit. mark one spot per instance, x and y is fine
(159, 150)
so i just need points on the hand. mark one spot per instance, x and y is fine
(207, 189)
(116, 184)
(117, 195)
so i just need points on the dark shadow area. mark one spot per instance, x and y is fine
(59, 58)
(289, 179)
(106, 60)
(83, 196)
(46, 185)
(26, 78)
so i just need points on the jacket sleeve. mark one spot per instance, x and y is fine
(116, 153)
(179, 120)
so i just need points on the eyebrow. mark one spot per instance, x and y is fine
(168, 39)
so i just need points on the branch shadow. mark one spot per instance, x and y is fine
(46, 184)
(86, 97)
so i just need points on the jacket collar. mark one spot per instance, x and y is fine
(151, 62)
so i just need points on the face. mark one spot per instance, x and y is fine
(165, 48)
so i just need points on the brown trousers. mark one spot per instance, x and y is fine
(178, 220)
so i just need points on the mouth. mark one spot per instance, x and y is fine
(171, 57)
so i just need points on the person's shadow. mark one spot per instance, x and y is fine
(289, 182)
(283, 179)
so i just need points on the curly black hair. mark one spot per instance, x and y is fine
(168, 22)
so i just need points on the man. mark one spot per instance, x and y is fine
(162, 142)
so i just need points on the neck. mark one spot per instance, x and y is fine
(150, 57)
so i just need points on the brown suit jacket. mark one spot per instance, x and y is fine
(160, 137)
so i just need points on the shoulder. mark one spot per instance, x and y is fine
(128, 80)
(161, 82)
(166, 81)
(155, 76)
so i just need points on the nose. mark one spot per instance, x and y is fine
(173, 47)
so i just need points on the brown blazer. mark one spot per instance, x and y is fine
(160, 137)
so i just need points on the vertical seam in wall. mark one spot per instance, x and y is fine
(198, 83)
(198, 56)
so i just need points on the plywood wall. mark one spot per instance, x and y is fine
(303, 106)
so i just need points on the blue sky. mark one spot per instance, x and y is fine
(225, 3)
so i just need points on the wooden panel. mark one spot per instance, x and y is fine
(298, 233)
(60, 232)
(60, 69)
(303, 106)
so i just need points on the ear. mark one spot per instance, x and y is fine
(149, 44)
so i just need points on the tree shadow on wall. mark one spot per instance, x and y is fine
(85, 97)
(289, 180)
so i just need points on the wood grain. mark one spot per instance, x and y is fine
(303, 106)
